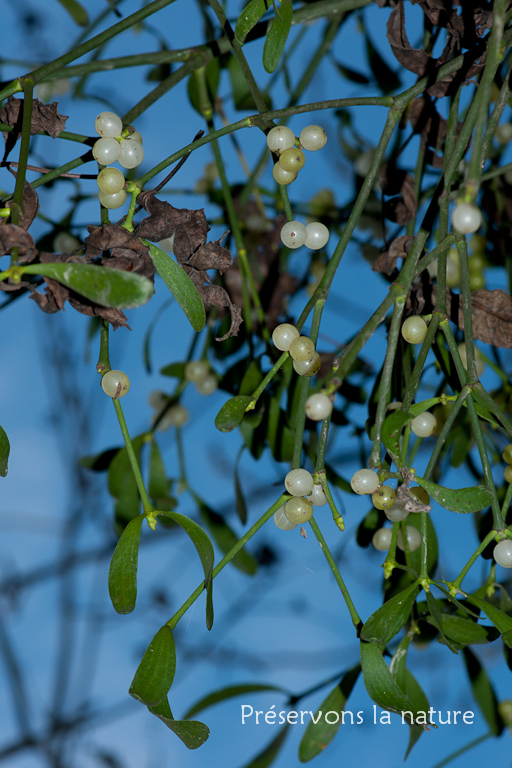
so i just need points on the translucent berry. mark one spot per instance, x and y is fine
(108, 125)
(384, 497)
(313, 138)
(476, 281)
(135, 136)
(480, 364)
(176, 416)
(317, 235)
(298, 510)
(302, 348)
(413, 538)
(466, 218)
(414, 330)
(504, 133)
(293, 234)
(110, 181)
(281, 176)
(115, 384)
(280, 138)
(113, 201)
(318, 407)
(396, 512)
(283, 336)
(308, 367)
(282, 521)
(208, 385)
(508, 473)
(317, 496)
(381, 539)
(106, 151)
(424, 425)
(196, 370)
(299, 482)
(503, 553)
(292, 160)
(364, 481)
(507, 453)
(131, 153)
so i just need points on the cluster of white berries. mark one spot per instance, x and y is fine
(115, 384)
(305, 493)
(114, 147)
(199, 373)
(306, 360)
(314, 235)
(382, 539)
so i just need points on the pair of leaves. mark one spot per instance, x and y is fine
(278, 31)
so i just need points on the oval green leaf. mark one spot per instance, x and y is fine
(319, 733)
(437, 620)
(204, 548)
(502, 621)
(180, 285)
(249, 17)
(192, 733)
(277, 36)
(122, 485)
(389, 619)
(466, 632)
(463, 500)
(392, 427)
(232, 413)
(4, 452)
(122, 575)
(155, 672)
(483, 692)
(380, 684)
(107, 287)
(230, 692)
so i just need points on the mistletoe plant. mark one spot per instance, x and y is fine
(437, 231)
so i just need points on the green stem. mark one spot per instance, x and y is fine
(474, 557)
(173, 621)
(103, 364)
(17, 200)
(146, 503)
(356, 621)
(463, 750)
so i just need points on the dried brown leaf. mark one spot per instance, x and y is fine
(30, 205)
(115, 247)
(394, 181)
(491, 313)
(45, 118)
(12, 236)
(399, 248)
(217, 296)
(164, 220)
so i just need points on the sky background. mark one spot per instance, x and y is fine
(287, 626)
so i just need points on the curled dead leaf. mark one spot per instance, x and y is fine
(399, 248)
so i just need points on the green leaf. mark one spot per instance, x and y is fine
(319, 733)
(351, 74)
(389, 619)
(158, 483)
(121, 482)
(502, 621)
(416, 696)
(204, 549)
(203, 85)
(432, 548)
(462, 500)
(103, 285)
(230, 692)
(76, 11)
(240, 505)
(177, 370)
(277, 36)
(437, 620)
(155, 672)
(226, 539)
(4, 452)
(483, 692)
(232, 413)
(249, 17)
(466, 632)
(99, 462)
(392, 427)
(180, 285)
(122, 575)
(267, 756)
(380, 684)
(242, 96)
(192, 733)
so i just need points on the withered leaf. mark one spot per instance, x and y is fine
(394, 181)
(12, 236)
(45, 118)
(164, 220)
(30, 205)
(491, 312)
(399, 248)
(217, 296)
(114, 246)
(426, 120)
(413, 59)
(211, 256)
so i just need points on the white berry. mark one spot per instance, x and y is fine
(113, 201)
(302, 349)
(504, 133)
(176, 416)
(424, 425)
(317, 496)
(106, 151)
(503, 553)
(299, 482)
(110, 181)
(397, 512)
(298, 510)
(317, 235)
(293, 234)
(364, 481)
(308, 367)
(135, 136)
(413, 538)
(381, 539)
(108, 125)
(313, 138)
(480, 364)
(466, 218)
(281, 176)
(414, 330)
(280, 138)
(283, 336)
(318, 407)
(208, 385)
(282, 521)
(196, 370)
(131, 153)
(115, 384)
